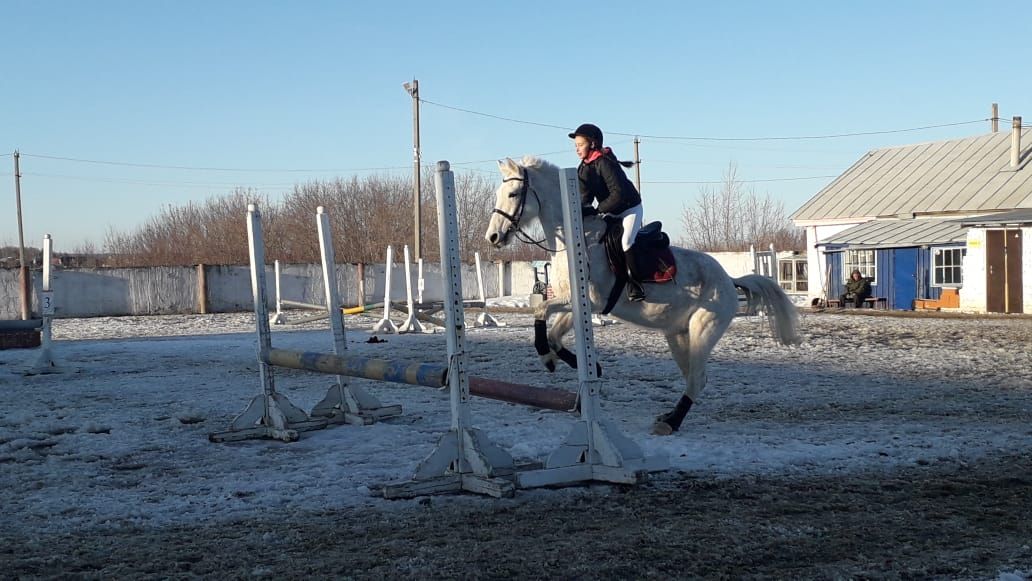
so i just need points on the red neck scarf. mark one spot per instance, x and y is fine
(596, 154)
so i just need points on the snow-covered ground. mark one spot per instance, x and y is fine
(120, 438)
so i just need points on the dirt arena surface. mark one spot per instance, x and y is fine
(958, 515)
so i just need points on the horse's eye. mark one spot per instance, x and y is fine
(514, 194)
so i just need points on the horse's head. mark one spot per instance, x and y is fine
(512, 212)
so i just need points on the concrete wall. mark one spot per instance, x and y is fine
(168, 290)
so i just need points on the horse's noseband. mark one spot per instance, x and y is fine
(515, 217)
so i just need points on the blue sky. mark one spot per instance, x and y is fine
(289, 92)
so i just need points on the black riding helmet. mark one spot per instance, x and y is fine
(591, 132)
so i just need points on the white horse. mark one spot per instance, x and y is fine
(692, 311)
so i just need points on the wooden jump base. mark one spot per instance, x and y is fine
(21, 334)
(29, 325)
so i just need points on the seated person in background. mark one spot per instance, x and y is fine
(858, 288)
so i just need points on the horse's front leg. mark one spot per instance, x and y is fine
(549, 342)
(545, 340)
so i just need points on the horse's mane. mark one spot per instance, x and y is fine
(533, 162)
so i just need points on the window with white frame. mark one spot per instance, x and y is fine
(863, 260)
(792, 274)
(948, 266)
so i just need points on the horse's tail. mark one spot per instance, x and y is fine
(782, 315)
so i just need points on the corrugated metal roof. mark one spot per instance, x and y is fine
(900, 234)
(1020, 216)
(964, 175)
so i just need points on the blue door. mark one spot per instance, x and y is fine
(904, 278)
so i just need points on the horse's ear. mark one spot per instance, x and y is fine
(508, 167)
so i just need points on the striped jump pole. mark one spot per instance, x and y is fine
(424, 374)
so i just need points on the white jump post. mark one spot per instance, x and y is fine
(270, 414)
(421, 283)
(596, 449)
(45, 363)
(411, 324)
(465, 459)
(386, 325)
(484, 319)
(280, 317)
(343, 403)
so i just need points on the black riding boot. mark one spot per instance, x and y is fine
(635, 292)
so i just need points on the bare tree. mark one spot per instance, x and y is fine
(366, 215)
(733, 217)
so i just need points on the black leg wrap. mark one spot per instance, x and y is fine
(568, 357)
(674, 418)
(541, 337)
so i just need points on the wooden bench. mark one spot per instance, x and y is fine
(881, 303)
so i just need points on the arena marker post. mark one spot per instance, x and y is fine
(47, 307)
(484, 319)
(411, 324)
(386, 325)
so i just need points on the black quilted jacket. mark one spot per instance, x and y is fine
(604, 180)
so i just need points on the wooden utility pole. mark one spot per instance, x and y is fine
(637, 166)
(23, 272)
(413, 89)
(996, 118)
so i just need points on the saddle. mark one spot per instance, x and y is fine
(652, 252)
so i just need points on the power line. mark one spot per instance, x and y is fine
(153, 183)
(707, 138)
(193, 168)
(499, 117)
(796, 179)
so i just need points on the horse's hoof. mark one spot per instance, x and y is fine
(550, 366)
(661, 428)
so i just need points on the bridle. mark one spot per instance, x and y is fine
(514, 219)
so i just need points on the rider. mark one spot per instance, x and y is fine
(602, 178)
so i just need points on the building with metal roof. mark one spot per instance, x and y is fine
(904, 217)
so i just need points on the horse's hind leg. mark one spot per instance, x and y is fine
(691, 350)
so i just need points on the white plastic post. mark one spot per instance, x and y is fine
(270, 414)
(465, 458)
(386, 325)
(411, 324)
(421, 282)
(343, 403)
(280, 317)
(45, 363)
(596, 449)
(484, 319)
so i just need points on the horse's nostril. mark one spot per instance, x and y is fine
(494, 238)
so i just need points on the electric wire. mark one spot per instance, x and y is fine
(708, 138)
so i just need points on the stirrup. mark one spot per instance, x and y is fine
(635, 293)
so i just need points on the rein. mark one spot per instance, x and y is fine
(514, 219)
